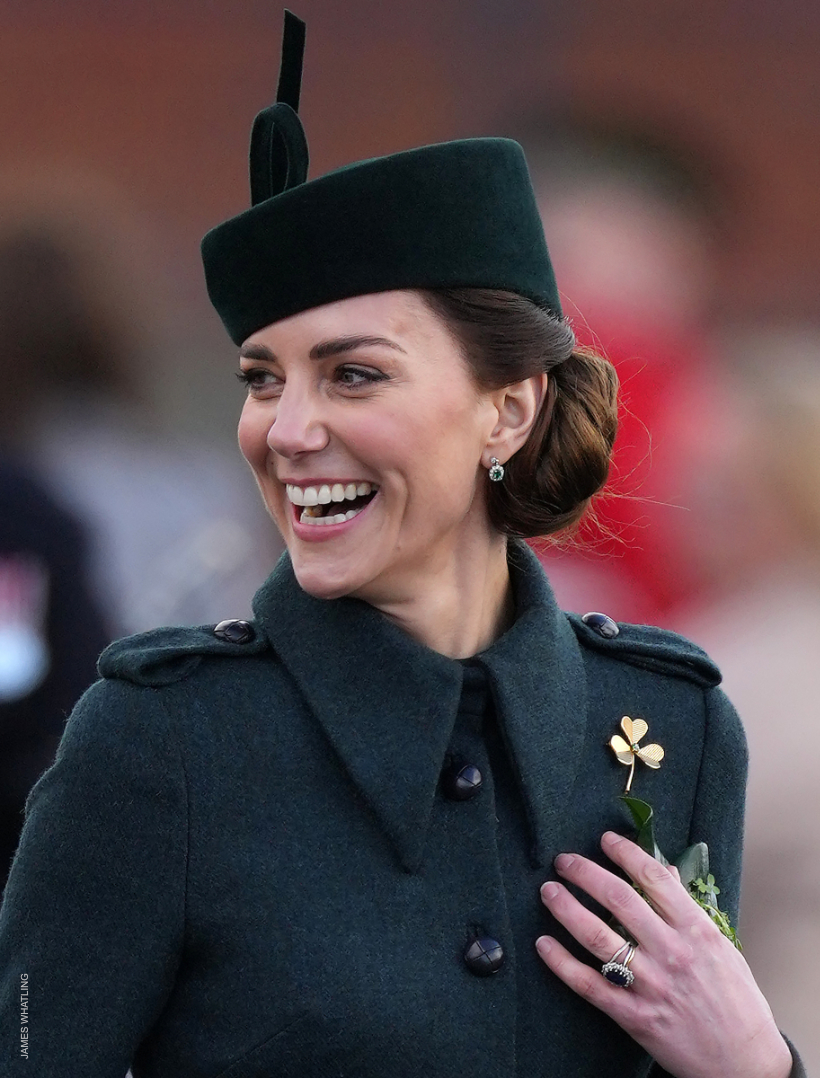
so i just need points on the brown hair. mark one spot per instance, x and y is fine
(505, 338)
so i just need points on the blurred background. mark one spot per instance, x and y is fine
(674, 149)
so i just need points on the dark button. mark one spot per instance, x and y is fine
(484, 956)
(602, 624)
(461, 782)
(235, 632)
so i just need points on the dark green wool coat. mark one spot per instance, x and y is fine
(241, 864)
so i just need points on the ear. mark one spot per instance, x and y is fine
(518, 406)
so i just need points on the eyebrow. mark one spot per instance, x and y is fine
(337, 346)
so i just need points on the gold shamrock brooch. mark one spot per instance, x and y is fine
(628, 751)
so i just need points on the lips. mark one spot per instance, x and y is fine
(319, 502)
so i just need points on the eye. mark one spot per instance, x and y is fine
(354, 377)
(259, 381)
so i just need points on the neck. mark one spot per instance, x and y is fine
(463, 606)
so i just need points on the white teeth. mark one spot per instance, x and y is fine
(326, 493)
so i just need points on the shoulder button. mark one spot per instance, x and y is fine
(656, 650)
(602, 624)
(233, 631)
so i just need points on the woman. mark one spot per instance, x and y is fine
(313, 844)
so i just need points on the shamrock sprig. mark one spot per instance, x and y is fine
(692, 866)
(707, 888)
(705, 894)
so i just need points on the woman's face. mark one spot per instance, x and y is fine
(367, 437)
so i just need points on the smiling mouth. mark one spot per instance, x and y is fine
(330, 503)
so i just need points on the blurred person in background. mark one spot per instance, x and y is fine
(632, 222)
(175, 530)
(765, 636)
(717, 505)
(51, 632)
(52, 624)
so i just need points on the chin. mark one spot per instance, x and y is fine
(324, 581)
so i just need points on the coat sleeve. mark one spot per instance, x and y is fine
(93, 914)
(717, 818)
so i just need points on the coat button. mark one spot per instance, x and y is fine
(484, 956)
(461, 782)
(235, 632)
(602, 624)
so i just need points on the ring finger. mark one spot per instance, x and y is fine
(640, 919)
(595, 936)
(587, 928)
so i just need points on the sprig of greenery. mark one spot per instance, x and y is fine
(705, 894)
(692, 866)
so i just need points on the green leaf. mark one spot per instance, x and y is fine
(706, 893)
(707, 902)
(693, 864)
(642, 816)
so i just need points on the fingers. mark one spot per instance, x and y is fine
(692, 1022)
(693, 1004)
(615, 895)
(660, 883)
(590, 931)
(670, 906)
(618, 1003)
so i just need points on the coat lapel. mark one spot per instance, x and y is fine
(388, 704)
(539, 682)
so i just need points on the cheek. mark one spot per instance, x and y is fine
(433, 426)
(454, 436)
(252, 433)
(441, 453)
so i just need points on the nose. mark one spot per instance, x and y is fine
(298, 426)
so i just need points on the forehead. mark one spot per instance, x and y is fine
(402, 316)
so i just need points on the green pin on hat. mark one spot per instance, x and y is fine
(456, 214)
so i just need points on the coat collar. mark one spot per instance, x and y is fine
(388, 704)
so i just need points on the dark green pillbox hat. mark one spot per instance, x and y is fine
(456, 214)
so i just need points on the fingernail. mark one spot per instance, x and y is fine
(543, 945)
(550, 889)
(611, 838)
(564, 861)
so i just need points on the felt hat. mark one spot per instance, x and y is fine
(452, 215)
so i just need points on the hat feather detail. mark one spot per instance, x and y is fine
(290, 66)
(279, 152)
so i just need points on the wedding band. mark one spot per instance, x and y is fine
(617, 972)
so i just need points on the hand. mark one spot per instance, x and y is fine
(694, 1005)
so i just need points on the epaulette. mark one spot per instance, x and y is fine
(162, 656)
(644, 646)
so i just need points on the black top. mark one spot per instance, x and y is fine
(45, 604)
